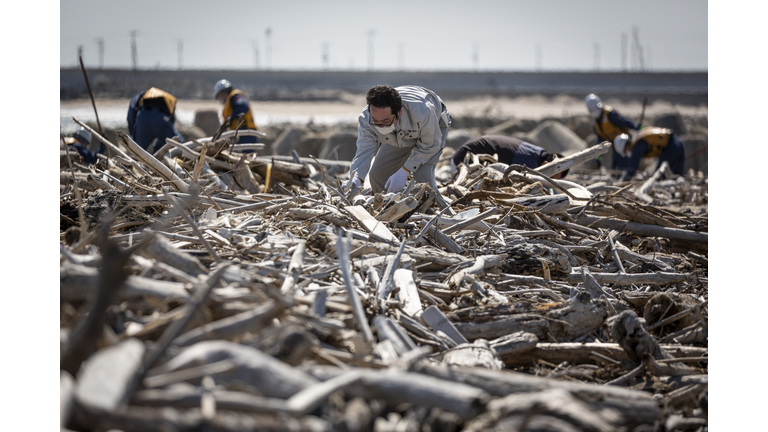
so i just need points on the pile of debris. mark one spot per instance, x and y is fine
(203, 288)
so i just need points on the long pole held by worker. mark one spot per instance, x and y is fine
(90, 93)
(642, 111)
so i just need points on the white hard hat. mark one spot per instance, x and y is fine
(620, 143)
(219, 86)
(84, 134)
(594, 104)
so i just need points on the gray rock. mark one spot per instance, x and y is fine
(288, 140)
(555, 137)
(511, 127)
(457, 137)
(672, 121)
(207, 121)
(341, 144)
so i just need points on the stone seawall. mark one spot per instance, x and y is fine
(690, 88)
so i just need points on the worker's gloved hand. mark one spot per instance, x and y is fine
(397, 181)
(355, 181)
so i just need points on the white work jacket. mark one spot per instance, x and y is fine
(418, 126)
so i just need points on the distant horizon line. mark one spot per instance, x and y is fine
(326, 70)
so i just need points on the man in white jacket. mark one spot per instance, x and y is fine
(405, 127)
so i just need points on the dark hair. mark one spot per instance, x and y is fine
(382, 96)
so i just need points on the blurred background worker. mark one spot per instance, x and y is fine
(151, 115)
(647, 143)
(608, 124)
(237, 110)
(406, 128)
(509, 151)
(81, 141)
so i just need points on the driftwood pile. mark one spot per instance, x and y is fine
(207, 289)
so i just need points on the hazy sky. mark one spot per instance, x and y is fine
(396, 34)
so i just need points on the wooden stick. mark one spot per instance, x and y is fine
(560, 165)
(152, 162)
(90, 93)
(182, 213)
(357, 307)
(294, 269)
(644, 229)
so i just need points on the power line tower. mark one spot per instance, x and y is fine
(268, 32)
(475, 55)
(538, 57)
(637, 49)
(371, 34)
(255, 46)
(80, 51)
(325, 55)
(597, 56)
(623, 51)
(134, 54)
(100, 42)
(181, 49)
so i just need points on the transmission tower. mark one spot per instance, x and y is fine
(371, 34)
(100, 42)
(255, 46)
(623, 51)
(538, 56)
(134, 54)
(637, 48)
(597, 56)
(268, 32)
(325, 55)
(181, 49)
(475, 55)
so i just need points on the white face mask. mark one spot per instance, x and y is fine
(387, 129)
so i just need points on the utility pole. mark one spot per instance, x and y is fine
(80, 52)
(100, 41)
(269, 48)
(538, 57)
(371, 34)
(181, 48)
(597, 56)
(134, 54)
(623, 51)
(475, 55)
(255, 46)
(325, 55)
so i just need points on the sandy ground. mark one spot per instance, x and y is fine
(113, 111)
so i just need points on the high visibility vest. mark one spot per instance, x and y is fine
(156, 93)
(607, 130)
(656, 137)
(249, 123)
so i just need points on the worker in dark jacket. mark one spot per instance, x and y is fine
(647, 143)
(151, 115)
(608, 124)
(237, 110)
(510, 151)
(81, 141)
